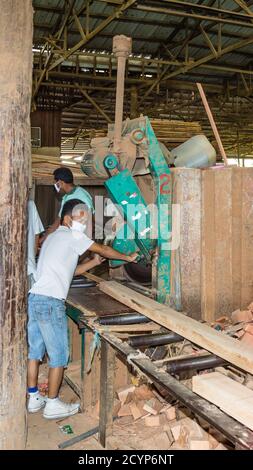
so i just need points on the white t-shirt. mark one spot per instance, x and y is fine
(57, 262)
(34, 228)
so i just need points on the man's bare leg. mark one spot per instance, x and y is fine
(32, 373)
(54, 381)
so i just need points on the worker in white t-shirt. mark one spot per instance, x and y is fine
(35, 227)
(47, 325)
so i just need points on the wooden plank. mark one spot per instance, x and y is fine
(48, 180)
(237, 236)
(137, 327)
(186, 259)
(201, 334)
(223, 242)
(208, 247)
(188, 184)
(106, 391)
(92, 277)
(247, 237)
(233, 398)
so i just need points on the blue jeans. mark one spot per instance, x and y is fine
(47, 330)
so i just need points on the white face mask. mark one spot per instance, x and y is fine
(57, 187)
(78, 227)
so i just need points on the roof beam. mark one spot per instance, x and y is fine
(93, 102)
(210, 9)
(208, 58)
(117, 11)
(186, 14)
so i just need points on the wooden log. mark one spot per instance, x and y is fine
(201, 334)
(15, 92)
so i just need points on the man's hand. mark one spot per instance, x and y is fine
(98, 260)
(133, 257)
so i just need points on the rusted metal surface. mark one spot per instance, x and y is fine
(15, 91)
(96, 302)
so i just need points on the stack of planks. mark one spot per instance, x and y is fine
(46, 160)
(171, 133)
(174, 133)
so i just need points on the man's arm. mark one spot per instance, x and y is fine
(51, 229)
(108, 252)
(87, 265)
(37, 239)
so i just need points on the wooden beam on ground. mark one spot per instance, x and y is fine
(201, 334)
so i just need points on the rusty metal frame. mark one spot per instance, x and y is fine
(50, 64)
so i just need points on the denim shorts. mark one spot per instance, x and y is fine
(48, 330)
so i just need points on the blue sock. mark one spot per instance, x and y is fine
(32, 389)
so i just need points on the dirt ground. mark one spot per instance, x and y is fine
(46, 434)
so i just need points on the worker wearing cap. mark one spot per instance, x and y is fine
(64, 184)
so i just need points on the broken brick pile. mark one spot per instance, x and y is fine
(244, 318)
(173, 428)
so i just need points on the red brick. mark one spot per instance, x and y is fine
(241, 316)
(247, 339)
(250, 307)
(249, 328)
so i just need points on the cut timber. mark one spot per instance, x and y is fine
(135, 411)
(228, 348)
(211, 268)
(152, 421)
(92, 277)
(123, 393)
(233, 398)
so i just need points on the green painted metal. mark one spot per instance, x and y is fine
(163, 187)
(73, 313)
(138, 230)
(111, 162)
(124, 191)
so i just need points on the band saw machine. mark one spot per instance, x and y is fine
(130, 149)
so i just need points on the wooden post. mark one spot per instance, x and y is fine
(15, 94)
(107, 369)
(212, 123)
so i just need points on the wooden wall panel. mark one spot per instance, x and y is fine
(50, 124)
(224, 210)
(186, 260)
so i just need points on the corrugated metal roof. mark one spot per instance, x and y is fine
(149, 29)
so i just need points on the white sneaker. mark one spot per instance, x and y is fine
(56, 408)
(36, 402)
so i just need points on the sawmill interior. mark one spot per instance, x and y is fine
(126, 228)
